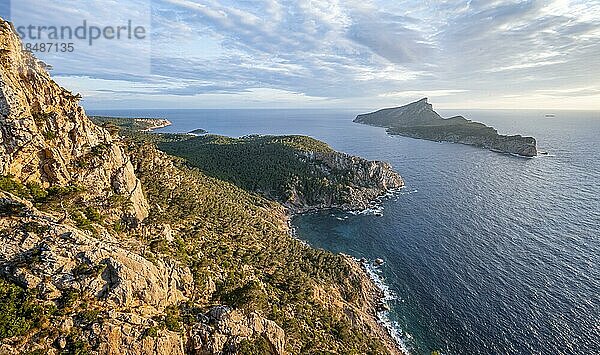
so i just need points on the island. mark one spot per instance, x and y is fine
(419, 120)
(197, 132)
(111, 245)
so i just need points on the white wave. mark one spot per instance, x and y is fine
(383, 317)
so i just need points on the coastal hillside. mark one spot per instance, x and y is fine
(300, 172)
(111, 246)
(419, 120)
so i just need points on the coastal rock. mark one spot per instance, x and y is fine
(198, 132)
(363, 181)
(419, 120)
(63, 258)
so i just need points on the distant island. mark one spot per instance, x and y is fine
(419, 120)
(198, 132)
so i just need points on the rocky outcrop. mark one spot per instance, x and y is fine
(223, 329)
(78, 261)
(363, 181)
(419, 120)
(127, 334)
(59, 261)
(46, 137)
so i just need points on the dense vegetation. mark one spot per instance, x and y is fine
(276, 166)
(19, 310)
(444, 132)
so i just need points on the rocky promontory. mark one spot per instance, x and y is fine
(419, 120)
(300, 172)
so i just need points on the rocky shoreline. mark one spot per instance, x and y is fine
(377, 296)
(376, 300)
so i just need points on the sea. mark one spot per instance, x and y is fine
(484, 253)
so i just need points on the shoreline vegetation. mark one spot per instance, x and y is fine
(113, 246)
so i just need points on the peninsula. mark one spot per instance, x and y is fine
(419, 120)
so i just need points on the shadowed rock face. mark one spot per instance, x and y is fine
(419, 120)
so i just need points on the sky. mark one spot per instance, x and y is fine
(329, 53)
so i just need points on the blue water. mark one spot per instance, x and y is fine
(487, 253)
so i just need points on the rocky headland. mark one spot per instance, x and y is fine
(419, 120)
(300, 172)
(115, 124)
(111, 246)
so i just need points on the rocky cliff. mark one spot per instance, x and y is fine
(46, 138)
(360, 181)
(419, 120)
(113, 247)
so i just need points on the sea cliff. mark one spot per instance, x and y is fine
(300, 172)
(419, 120)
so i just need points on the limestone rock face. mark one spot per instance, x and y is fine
(46, 137)
(97, 266)
(57, 260)
(224, 329)
(124, 335)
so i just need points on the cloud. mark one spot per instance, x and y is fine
(334, 51)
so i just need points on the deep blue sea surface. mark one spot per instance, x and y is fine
(486, 253)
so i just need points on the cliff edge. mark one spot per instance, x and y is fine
(47, 139)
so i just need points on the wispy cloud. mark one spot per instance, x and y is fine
(380, 52)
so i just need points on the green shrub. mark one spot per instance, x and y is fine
(76, 344)
(92, 214)
(258, 346)
(49, 135)
(19, 310)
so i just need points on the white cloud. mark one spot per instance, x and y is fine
(340, 52)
